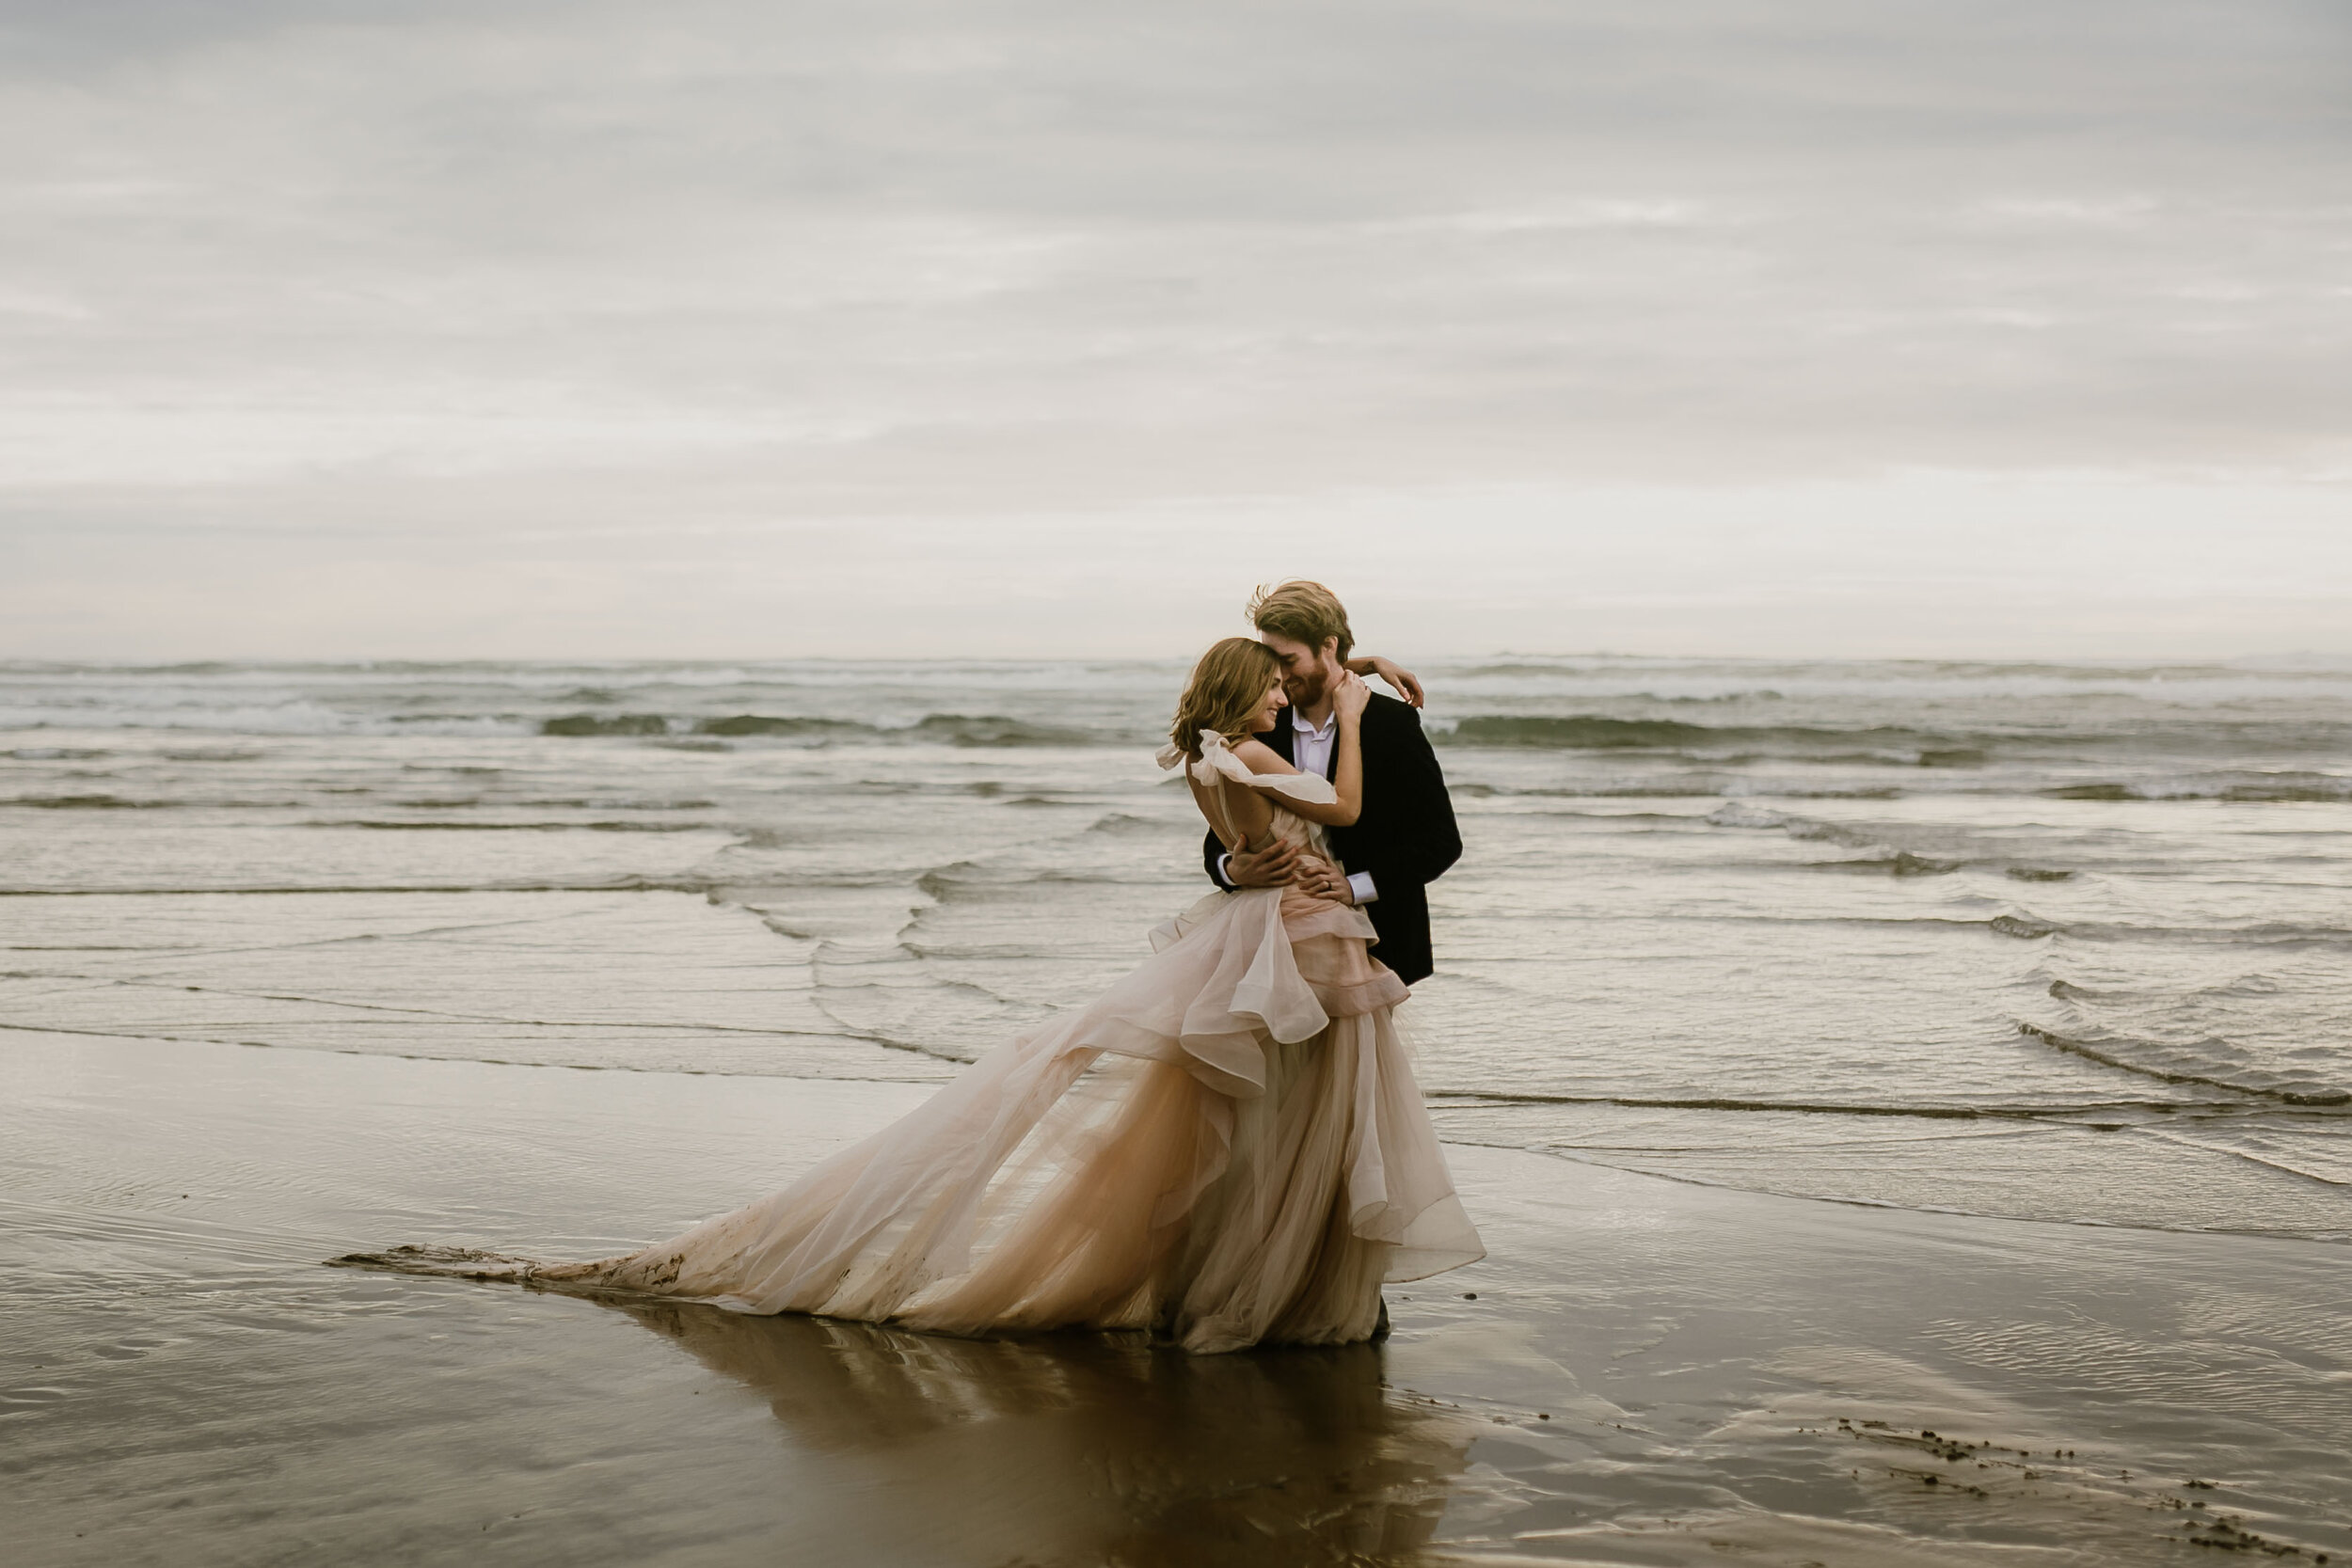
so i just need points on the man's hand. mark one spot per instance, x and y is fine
(1401, 680)
(1268, 867)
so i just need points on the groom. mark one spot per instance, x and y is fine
(1406, 838)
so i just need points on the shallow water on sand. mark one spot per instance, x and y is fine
(2049, 941)
(1644, 1372)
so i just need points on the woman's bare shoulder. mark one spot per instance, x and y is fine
(1262, 758)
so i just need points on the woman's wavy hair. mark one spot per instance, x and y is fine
(1224, 691)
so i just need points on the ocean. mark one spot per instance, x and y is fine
(2033, 941)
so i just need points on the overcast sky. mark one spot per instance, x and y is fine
(729, 327)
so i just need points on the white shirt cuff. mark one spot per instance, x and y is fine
(1361, 883)
(1224, 877)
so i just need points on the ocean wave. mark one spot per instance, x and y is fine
(948, 884)
(1882, 745)
(607, 802)
(2266, 1159)
(287, 720)
(2265, 933)
(2243, 985)
(1121, 824)
(1892, 859)
(2127, 1055)
(446, 826)
(2269, 933)
(1902, 863)
(125, 803)
(950, 729)
(703, 886)
(761, 723)
(1593, 731)
(993, 730)
(617, 724)
(2022, 926)
(213, 802)
(2237, 786)
(1854, 835)
(1471, 1099)
(1743, 814)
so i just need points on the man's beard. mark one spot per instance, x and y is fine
(1304, 691)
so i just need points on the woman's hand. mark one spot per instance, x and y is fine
(1401, 680)
(1351, 697)
(1328, 882)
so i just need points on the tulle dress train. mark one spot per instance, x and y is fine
(1227, 1147)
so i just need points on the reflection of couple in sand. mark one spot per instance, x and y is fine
(1080, 1448)
(1227, 1147)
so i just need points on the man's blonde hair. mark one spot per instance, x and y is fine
(1223, 694)
(1303, 612)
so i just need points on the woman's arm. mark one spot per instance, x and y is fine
(1347, 775)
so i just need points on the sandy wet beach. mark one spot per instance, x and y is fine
(1650, 1373)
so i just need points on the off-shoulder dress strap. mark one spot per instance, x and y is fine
(1217, 761)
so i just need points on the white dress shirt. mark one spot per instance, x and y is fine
(1310, 748)
(1310, 752)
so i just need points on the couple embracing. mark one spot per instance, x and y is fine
(1227, 1147)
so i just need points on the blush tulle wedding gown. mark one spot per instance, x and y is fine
(1227, 1147)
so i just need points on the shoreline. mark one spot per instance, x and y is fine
(944, 1067)
(1645, 1370)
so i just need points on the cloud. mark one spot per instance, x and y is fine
(351, 270)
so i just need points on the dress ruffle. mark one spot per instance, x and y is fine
(1216, 761)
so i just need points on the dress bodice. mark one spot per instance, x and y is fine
(1218, 765)
(1329, 938)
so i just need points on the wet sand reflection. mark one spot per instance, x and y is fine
(1094, 1449)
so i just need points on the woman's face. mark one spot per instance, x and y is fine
(1272, 704)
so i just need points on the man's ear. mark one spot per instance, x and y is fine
(1329, 652)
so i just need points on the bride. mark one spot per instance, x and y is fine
(1227, 1147)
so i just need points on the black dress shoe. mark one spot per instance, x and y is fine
(1380, 1329)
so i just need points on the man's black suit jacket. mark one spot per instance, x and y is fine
(1406, 836)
